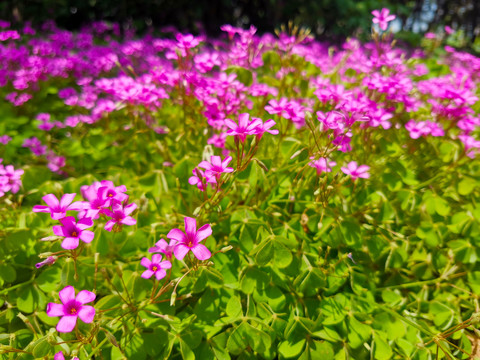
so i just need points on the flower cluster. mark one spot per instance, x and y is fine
(102, 198)
(10, 179)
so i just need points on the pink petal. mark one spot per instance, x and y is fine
(201, 252)
(376, 13)
(128, 220)
(41, 208)
(147, 274)
(84, 223)
(352, 165)
(58, 356)
(51, 200)
(226, 161)
(177, 234)
(58, 230)
(129, 208)
(205, 165)
(109, 225)
(243, 120)
(85, 296)
(165, 264)
(78, 205)
(70, 243)
(58, 215)
(363, 168)
(230, 124)
(67, 294)
(145, 262)
(160, 274)
(180, 251)
(216, 160)
(55, 309)
(66, 200)
(67, 323)
(190, 226)
(86, 314)
(156, 258)
(86, 236)
(204, 232)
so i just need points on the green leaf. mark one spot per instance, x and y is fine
(289, 350)
(42, 348)
(234, 307)
(382, 350)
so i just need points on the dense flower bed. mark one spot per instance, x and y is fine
(247, 197)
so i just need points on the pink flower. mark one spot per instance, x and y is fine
(155, 267)
(356, 171)
(5, 139)
(322, 165)
(382, 18)
(11, 178)
(164, 248)
(74, 231)
(57, 209)
(216, 167)
(59, 356)
(190, 240)
(120, 215)
(71, 308)
(265, 127)
(449, 30)
(244, 127)
(200, 179)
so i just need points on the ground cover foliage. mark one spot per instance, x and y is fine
(252, 196)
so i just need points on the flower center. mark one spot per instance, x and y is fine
(190, 243)
(73, 311)
(154, 268)
(74, 234)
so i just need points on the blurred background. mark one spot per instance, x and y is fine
(331, 20)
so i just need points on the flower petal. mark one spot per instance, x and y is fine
(180, 251)
(84, 223)
(128, 220)
(41, 208)
(147, 274)
(177, 234)
(51, 200)
(127, 210)
(67, 323)
(145, 262)
(86, 236)
(201, 252)
(70, 243)
(204, 232)
(66, 200)
(55, 309)
(58, 230)
(160, 274)
(190, 226)
(165, 264)
(86, 313)
(85, 296)
(67, 294)
(109, 225)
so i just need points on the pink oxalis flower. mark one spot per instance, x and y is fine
(59, 356)
(216, 167)
(155, 267)
(382, 18)
(163, 247)
(120, 215)
(72, 308)
(356, 171)
(190, 240)
(74, 231)
(57, 209)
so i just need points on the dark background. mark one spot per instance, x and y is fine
(330, 19)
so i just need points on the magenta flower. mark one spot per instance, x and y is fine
(382, 18)
(155, 267)
(216, 167)
(59, 356)
(322, 165)
(57, 209)
(11, 178)
(164, 248)
(190, 240)
(74, 231)
(356, 171)
(71, 308)
(200, 179)
(120, 215)
(244, 127)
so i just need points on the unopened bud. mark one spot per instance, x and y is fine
(226, 248)
(173, 298)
